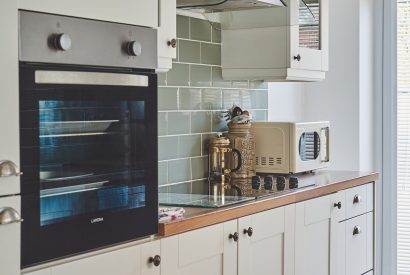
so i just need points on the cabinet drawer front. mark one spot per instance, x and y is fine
(120, 262)
(10, 240)
(356, 245)
(357, 201)
(141, 12)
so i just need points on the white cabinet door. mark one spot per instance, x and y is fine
(269, 250)
(201, 252)
(315, 236)
(9, 92)
(10, 239)
(140, 12)
(167, 34)
(309, 34)
(132, 260)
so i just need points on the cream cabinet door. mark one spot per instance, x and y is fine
(10, 238)
(309, 35)
(167, 34)
(9, 94)
(134, 12)
(315, 236)
(134, 260)
(204, 251)
(266, 242)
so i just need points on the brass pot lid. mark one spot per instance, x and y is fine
(219, 140)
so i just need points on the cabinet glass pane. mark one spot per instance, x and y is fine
(309, 24)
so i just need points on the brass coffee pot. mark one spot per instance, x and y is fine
(221, 155)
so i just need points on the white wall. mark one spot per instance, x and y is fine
(286, 101)
(345, 98)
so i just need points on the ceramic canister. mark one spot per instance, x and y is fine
(243, 140)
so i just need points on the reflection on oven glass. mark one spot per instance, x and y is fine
(91, 158)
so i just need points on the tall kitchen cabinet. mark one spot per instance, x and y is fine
(9, 141)
(316, 235)
(277, 44)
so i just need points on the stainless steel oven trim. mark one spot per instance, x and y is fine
(90, 78)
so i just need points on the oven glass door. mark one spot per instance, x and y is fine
(89, 153)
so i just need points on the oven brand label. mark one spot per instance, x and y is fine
(101, 219)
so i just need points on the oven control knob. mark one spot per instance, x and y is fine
(134, 48)
(62, 42)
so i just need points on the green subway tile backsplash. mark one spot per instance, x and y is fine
(201, 76)
(189, 51)
(200, 30)
(191, 98)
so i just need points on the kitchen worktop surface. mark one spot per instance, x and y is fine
(325, 182)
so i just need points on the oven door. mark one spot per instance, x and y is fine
(312, 146)
(89, 156)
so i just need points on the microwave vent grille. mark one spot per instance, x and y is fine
(267, 161)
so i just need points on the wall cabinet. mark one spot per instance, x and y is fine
(277, 44)
(167, 43)
(141, 12)
(201, 252)
(266, 243)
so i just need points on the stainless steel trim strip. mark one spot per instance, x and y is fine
(90, 78)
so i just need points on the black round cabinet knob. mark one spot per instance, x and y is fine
(234, 236)
(248, 231)
(156, 260)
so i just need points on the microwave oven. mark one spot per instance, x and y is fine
(291, 147)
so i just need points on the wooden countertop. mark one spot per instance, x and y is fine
(326, 182)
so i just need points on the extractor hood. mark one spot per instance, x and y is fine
(228, 5)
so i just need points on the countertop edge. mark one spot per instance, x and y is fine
(260, 205)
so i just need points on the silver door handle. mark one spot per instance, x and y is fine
(9, 215)
(327, 134)
(9, 169)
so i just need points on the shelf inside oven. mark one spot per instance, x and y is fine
(75, 128)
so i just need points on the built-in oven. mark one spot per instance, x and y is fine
(88, 134)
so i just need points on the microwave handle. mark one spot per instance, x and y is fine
(326, 130)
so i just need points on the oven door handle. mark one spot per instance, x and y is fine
(327, 135)
(90, 78)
